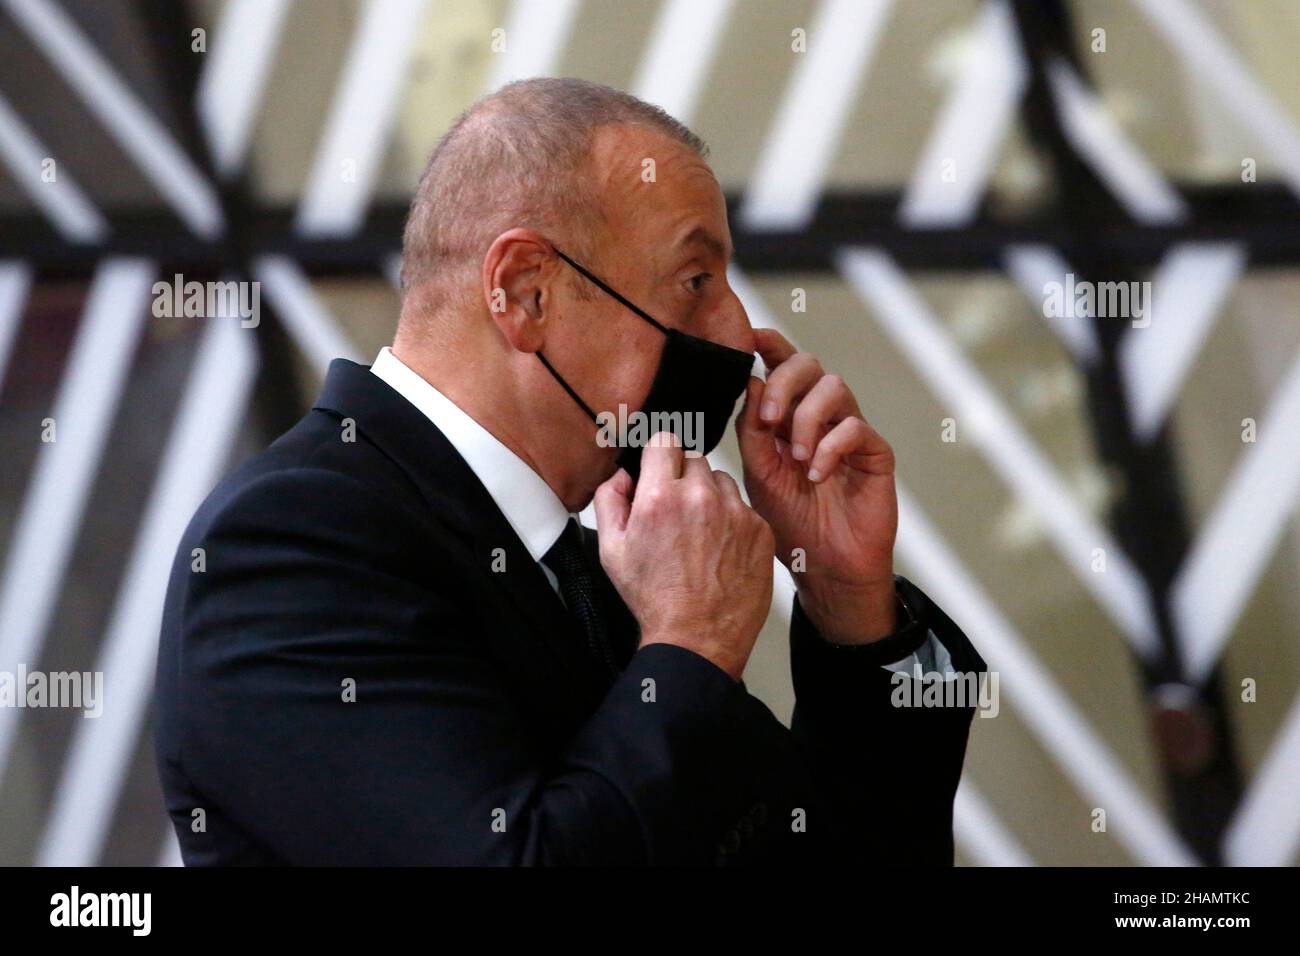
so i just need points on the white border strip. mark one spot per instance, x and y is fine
(1098, 139)
(1064, 733)
(1012, 453)
(392, 267)
(1033, 268)
(15, 282)
(1188, 30)
(1265, 830)
(1235, 543)
(65, 469)
(136, 130)
(536, 36)
(169, 853)
(981, 834)
(1187, 292)
(206, 426)
(307, 319)
(979, 111)
(234, 77)
(61, 199)
(681, 50)
(361, 115)
(805, 131)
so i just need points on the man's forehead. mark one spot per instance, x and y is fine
(653, 180)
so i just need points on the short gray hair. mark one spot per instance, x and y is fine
(518, 157)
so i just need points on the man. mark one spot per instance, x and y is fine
(401, 648)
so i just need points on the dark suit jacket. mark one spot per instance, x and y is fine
(351, 678)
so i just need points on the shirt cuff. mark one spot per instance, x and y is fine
(930, 658)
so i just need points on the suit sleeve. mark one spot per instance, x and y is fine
(889, 773)
(339, 705)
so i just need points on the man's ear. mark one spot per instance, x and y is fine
(519, 279)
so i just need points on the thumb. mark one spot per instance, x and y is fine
(757, 438)
(613, 503)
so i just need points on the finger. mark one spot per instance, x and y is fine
(827, 404)
(773, 347)
(613, 504)
(728, 489)
(854, 442)
(697, 469)
(661, 459)
(757, 440)
(787, 384)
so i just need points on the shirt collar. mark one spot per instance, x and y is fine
(534, 511)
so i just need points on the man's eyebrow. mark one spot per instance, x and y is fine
(702, 237)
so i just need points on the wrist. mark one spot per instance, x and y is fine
(719, 650)
(859, 613)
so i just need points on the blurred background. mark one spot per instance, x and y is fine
(1106, 505)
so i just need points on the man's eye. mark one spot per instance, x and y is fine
(696, 282)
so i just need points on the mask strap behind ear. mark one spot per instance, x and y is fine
(565, 385)
(645, 315)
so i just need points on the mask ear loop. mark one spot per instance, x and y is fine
(645, 315)
(565, 385)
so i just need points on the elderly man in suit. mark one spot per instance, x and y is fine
(404, 648)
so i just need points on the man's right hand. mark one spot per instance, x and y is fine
(692, 561)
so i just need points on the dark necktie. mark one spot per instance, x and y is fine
(568, 561)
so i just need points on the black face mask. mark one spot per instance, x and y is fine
(695, 376)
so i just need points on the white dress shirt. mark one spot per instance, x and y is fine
(533, 510)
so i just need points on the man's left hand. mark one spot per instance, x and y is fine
(824, 480)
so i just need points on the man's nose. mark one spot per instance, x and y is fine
(729, 325)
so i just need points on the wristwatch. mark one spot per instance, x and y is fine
(908, 617)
